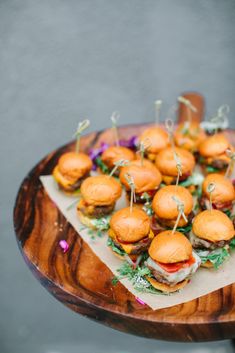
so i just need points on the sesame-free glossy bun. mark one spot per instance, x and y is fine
(169, 248)
(156, 138)
(165, 288)
(190, 140)
(214, 145)
(74, 165)
(130, 226)
(166, 164)
(165, 207)
(213, 225)
(114, 153)
(224, 189)
(146, 177)
(100, 190)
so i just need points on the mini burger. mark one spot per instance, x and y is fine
(130, 233)
(223, 195)
(213, 153)
(171, 261)
(189, 136)
(71, 170)
(115, 153)
(157, 140)
(146, 177)
(166, 164)
(98, 197)
(211, 235)
(166, 211)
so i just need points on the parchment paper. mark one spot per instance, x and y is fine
(203, 282)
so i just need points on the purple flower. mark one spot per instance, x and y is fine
(130, 143)
(140, 301)
(64, 245)
(96, 152)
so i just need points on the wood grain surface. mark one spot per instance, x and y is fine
(83, 283)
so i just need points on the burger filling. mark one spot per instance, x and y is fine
(214, 164)
(159, 224)
(94, 211)
(221, 206)
(173, 273)
(67, 184)
(214, 252)
(122, 248)
(143, 196)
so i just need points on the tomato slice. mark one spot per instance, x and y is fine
(171, 268)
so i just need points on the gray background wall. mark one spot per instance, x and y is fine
(61, 61)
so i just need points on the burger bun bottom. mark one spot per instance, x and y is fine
(163, 287)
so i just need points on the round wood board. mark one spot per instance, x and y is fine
(83, 283)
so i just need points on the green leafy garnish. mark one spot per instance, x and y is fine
(228, 213)
(211, 169)
(232, 243)
(112, 245)
(95, 233)
(147, 205)
(103, 167)
(101, 223)
(137, 277)
(185, 229)
(216, 257)
(195, 179)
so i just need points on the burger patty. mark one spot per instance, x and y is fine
(138, 247)
(204, 204)
(96, 211)
(198, 243)
(75, 186)
(165, 222)
(138, 197)
(219, 164)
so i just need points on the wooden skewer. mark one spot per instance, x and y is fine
(81, 127)
(180, 208)
(114, 119)
(131, 183)
(118, 164)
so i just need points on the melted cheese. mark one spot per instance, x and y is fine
(168, 180)
(60, 178)
(126, 247)
(178, 276)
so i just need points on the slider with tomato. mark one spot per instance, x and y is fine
(171, 261)
(130, 233)
(146, 177)
(211, 237)
(98, 198)
(223, 195)
(70, 171)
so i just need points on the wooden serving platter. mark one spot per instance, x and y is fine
(83, 283)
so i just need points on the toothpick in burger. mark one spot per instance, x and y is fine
(213, 153)
(146, 176)
(223, 195)
(166, 210)
(130, 233)
(211, 237)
